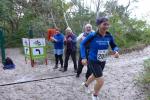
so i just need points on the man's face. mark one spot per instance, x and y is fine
(57, 32)
(88, 29)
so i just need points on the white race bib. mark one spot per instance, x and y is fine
(102, 55)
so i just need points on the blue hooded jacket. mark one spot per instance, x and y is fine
(60, 41)
(98, 45)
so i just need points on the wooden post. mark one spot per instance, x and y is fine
(30, 37)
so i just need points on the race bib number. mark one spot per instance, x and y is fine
(102, 55)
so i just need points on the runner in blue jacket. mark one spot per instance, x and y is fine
(99, 43)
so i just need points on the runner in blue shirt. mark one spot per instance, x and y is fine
(99, 43)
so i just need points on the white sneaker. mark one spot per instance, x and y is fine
(83, 88)
(95, 97)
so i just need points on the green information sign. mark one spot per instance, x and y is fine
(38, 52)
(26, 45)
(34, 48)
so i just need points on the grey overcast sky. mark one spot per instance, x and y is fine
(140, 9)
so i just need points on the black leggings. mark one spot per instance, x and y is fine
(71, 53)
(59, 58)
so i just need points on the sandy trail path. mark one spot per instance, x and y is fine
(120, 80)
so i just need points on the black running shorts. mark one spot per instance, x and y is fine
(96, 68)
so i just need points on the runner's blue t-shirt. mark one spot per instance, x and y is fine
(98, 45)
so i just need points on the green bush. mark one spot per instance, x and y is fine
(146, 76)
(146, 38)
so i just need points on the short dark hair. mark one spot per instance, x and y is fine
(101, 20)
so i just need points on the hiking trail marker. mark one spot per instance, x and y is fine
(34, 49)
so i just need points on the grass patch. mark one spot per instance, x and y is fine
(146, 77)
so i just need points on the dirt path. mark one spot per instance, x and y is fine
(120, 80)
